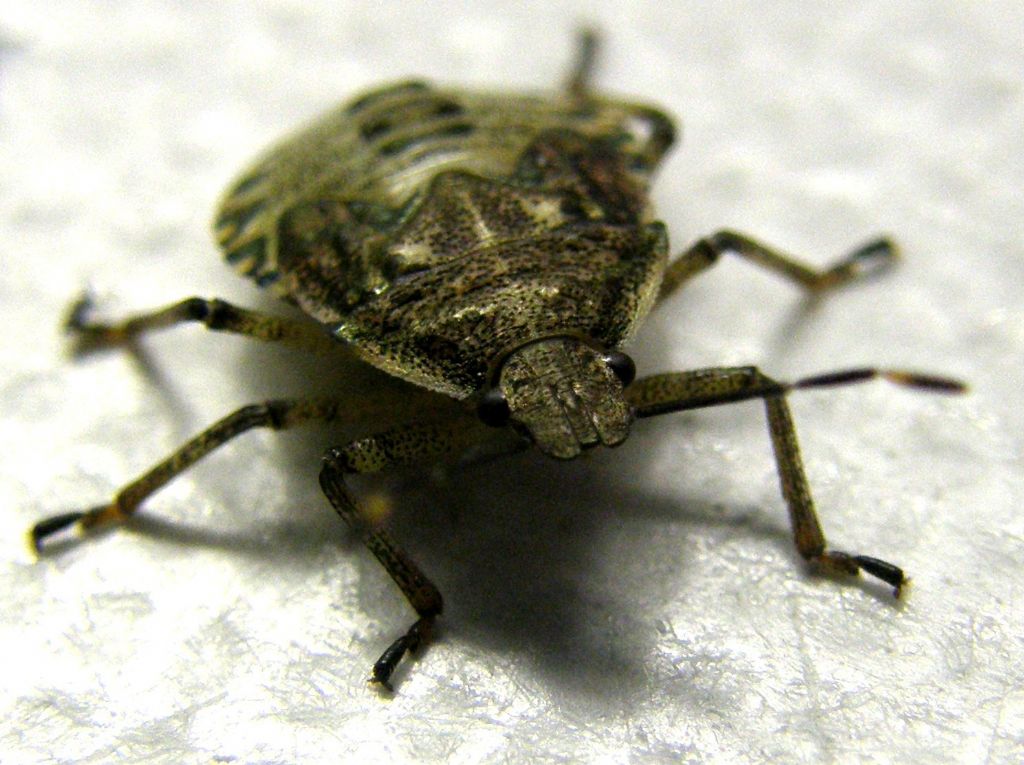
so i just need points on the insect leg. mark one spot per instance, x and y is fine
(214, 314)
(277, 414)
(578, 83)
(399, 446)
(866, 259)
(665, 393)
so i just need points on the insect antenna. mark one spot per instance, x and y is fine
(898, 376)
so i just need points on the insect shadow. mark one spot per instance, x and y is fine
(521, 564)
(528, 570)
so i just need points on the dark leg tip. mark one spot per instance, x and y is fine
(880, 569)
(87, 335)
(50, 526)
(385, 666)
(882, 248)
(876, 255)
(76, 318)
(866, 261)
(381, 682)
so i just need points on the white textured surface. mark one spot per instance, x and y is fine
(641, 604)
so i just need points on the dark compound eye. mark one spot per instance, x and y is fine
(622, 365)
(493, 408)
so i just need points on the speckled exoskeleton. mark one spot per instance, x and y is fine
(497, 248)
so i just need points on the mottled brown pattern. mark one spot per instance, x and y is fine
(433, 227)
(496, 280)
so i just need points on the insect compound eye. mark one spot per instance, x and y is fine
(622, 365)
(493, 408)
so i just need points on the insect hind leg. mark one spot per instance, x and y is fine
(577, 85)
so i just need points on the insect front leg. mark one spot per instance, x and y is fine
(405, 445)
(217, 315)
(277, 414)
(867, 259)
(665, 393)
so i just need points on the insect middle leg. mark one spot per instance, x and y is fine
(864, 260)
(673, 392)
(277, 414)
(215, 314)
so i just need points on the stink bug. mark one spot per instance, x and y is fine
(495, 248)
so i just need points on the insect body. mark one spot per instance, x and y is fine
(444, 235)
(499, 249)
